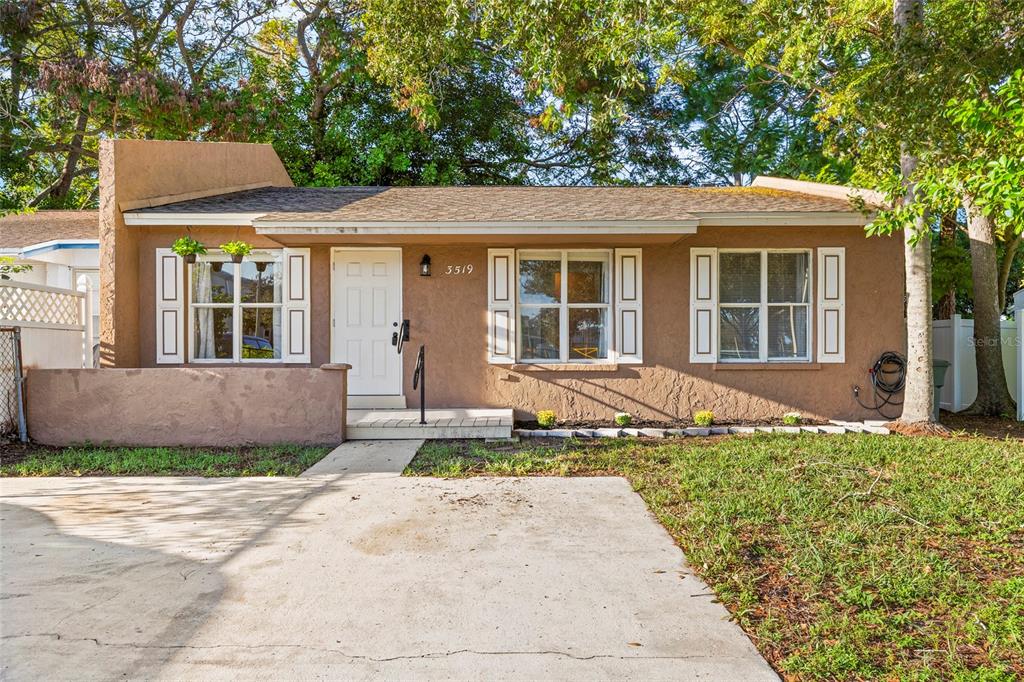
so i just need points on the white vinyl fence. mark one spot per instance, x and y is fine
(954, 343)
(1018, 317)
(56, 324)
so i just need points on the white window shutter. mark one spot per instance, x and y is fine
(629, 310)
(501, 306)
(170, 308)
(832, 304)
(295, 307)
(703, 305)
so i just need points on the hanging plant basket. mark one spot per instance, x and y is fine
(261, 266)
(237, 250)
(216, 265)
(188, 248)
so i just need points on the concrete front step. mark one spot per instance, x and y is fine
(441, 423)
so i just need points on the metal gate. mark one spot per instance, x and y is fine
(12, 394)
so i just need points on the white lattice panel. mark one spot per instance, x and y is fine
(32, 304)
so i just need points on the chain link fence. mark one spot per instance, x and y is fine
(12, 398)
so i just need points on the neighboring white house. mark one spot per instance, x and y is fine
(59, 245)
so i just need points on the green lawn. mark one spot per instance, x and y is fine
(279, 460)
(843, 557)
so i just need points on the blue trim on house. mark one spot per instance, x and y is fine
(58, 246)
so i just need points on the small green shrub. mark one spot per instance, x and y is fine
(546, 418)
(704, 418)
(623, 419)
(791, 418)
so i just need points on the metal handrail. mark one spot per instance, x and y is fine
(419, 381)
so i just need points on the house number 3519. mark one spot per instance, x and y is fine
(459, 269)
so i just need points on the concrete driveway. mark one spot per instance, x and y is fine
(357, 575)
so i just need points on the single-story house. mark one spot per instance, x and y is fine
(59, 247)
(658, 301)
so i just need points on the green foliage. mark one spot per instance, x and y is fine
(278, 460)
(187, 246)
(236, 248)
(77, 71)
(298, 77)
(704, 418)
(8, 267)
(994, 126)
(844, 557)
(984, 159)
(792, 418)
(623, 419)
(546, 418)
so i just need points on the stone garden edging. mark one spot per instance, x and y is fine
(835, 427)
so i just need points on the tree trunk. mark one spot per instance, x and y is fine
(918, 399)
(993, 396)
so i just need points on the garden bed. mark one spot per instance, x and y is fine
(843, 557)
(991, 427)
(593, 424)
(39, 460)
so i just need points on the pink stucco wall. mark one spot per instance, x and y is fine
(221, 406)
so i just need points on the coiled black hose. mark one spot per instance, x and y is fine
(888, 378)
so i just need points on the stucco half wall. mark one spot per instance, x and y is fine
(223, 406)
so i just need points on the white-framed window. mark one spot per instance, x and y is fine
(563, 306)
(235, 309)
(764, 305)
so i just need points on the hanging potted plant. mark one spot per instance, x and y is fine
(188, 248)
(237, 250)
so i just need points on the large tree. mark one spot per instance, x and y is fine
(85, 68)
(880, 74)
(981, 171)
(296, 75)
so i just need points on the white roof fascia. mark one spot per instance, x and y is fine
(156, 219)
(479, 228)
(783, 219)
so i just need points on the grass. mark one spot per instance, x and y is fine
(278, 460)
(843, 557)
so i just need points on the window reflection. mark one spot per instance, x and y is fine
(261, 282)
(261, 330)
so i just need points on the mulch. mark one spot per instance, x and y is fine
(13, 451)
(991, 427)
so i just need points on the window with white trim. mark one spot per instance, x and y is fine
(235, 308)
(764, 305)
(563, 306)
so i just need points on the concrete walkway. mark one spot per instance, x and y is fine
(351, 576)
(361, 459)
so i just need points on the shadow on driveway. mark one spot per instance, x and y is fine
(104, 577)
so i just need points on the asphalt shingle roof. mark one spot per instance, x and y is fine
(25, 229)
(499, 204)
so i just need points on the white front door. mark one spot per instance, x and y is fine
(366, 312)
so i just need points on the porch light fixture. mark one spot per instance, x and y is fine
(425, 266)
